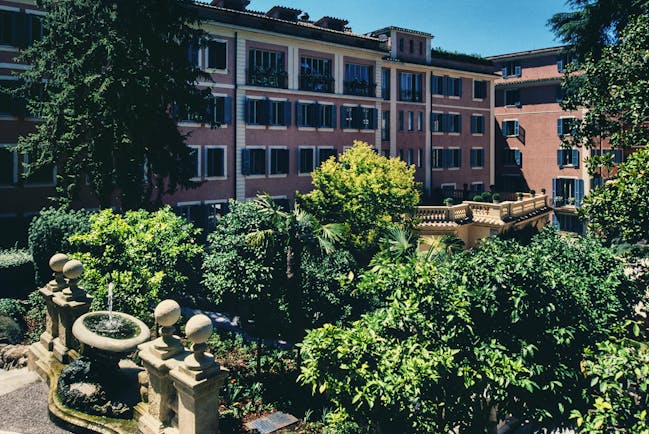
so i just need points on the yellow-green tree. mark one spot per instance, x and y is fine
(364, 191)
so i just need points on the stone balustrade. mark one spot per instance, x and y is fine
(483, 211)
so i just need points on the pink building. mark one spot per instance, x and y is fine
(289, 92)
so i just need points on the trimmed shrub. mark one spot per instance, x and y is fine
(49, 233)
(10, 332)
(149, 256)
(16, 273)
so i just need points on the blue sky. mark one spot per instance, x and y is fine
(484, 27)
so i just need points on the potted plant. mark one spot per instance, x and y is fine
(448, 201)
(533, 193)
(558, 201)
(496, 197)
(571, 201)
(543, 191)
(519, 195)
(486, 196)
(477, 198)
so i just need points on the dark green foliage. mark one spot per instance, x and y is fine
(34, 316)
(109, 74)
(14, 309)
(10, 332)
(149, 256)
(16, 273)
(49, 233)
(498, 328)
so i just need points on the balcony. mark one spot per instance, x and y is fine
(267, 78)
(317, 83)
(359, 88)
(472, 221)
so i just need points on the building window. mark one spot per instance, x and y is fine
(20, 29)
(567, 126)
(193, 55)
(327, 116)
(453, 158)
(479, 89)
(512, 157)
(568, 223)
(214, 166)
(385, 125)
(437, 122)
(454, 86)
(411, 121)
(410, 87)
(564, 61)
(221, 110)
(568, 157)
(325, 153)
(510, 128)
(512, 97)
(511, 69)
(421, 48)
(368, 118)
(411, 46)
(278, 161)
(420, 121)
(216, 55)
(454, 123)
(359, 80)
(420, 157)
(10, 105)
(307, 114)
(266, 68)
(315, 75)
(385, 83)
(477, 124)
(567, 191)
(401, 120)
(477, 157)
(400, 44)
(411, 157)
(437, 84)
(437, 158)
(280, 113)
(306, 157)
(347, 117)
(195, 154)
(253, 161)
(257, 111)
(477, 187)
(8, 166)
(401, 155)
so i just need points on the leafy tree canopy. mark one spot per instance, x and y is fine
(103, 80)
(366, 192)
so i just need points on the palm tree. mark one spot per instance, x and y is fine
(299, 231)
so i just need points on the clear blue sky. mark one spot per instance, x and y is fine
(484, 27)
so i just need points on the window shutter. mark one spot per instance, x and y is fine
(248, 114)
(445, 158)
(516, 128)
(472, 156)
(445, 122)
(555, 221)
(579, 192)
(315, 119)
(617, 156)
(205, 162)
(299, 119)
(559, 157)
(434, 85)
(482, 123)
(209, 110)
(554, 188)
(459, 157)
(342, 117)
(298, 158)
(375, 119)
(503, 129)
(459, 87)
(245, 161)
(518, 157)
(227, 110)
(517, 70)
(459, 123)
(575, 157)
(283, 160)
(560, 127)
(287, 113)
(474, 124)
(445, 85)
(356, 117)
(334, 117)
(264, 114)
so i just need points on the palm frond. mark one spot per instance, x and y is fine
(260, 238)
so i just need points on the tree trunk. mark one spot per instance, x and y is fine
(293, 287)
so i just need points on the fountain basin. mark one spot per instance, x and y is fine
(124, 338)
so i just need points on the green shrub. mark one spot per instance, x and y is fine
(477, 198)
(496, 196)
(10, 332)
(49, 233)
(14, 309)
(149, 256)
(34, 317)
(16, 273)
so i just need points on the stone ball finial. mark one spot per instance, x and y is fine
(199, 329)
(167, 313)
(57, 262)
(73, 269)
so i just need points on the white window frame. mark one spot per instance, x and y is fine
(331, 128)
(313, 160)
(511, 120)
(432, 150)
(259, 175)
(475, 98)
(270, 160)
(441, 126)
(454, 148)
(484, 124)
(483, 155)
(199, 151)
(207, 56)
(14, 154)
(454, 133)
(477, 183)
(225, 162)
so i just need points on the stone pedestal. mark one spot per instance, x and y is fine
(160, 409)
(65, 345)
(198, 398)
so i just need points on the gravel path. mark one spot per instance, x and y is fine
(25, 411)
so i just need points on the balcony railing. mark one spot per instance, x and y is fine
(267, 78)
(317, 83)
(359, 88)
(495, 213)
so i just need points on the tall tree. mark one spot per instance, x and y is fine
(103, 80)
